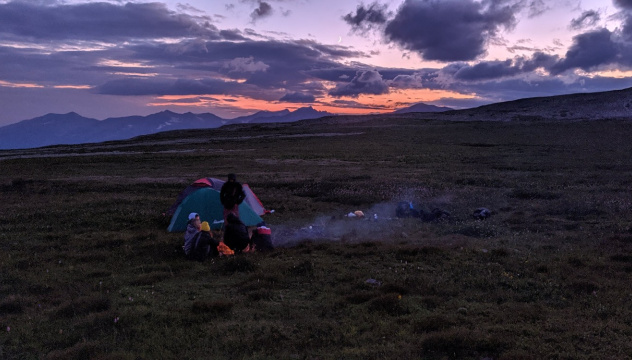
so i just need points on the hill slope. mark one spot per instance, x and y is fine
(582, 106)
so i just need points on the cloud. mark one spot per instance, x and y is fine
(589, 50)
(136, 87)
(537, 8)
(98, 21)
(414, 81)
(625, 4)
(357, 105)
(245, 65)
(333, 51)
(626, 30)
(298, 97)
(286, 64)
(232, 35)
(486, 70)
(263, 10)
(366, 17)
(586, 19)
(365, 82)
(449, 30)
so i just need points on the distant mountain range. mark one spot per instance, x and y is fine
(72, 128)
(421, 107)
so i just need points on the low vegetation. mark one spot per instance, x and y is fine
(88, 271)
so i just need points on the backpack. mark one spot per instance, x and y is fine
(203, 247)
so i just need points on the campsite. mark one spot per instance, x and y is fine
(88, 269)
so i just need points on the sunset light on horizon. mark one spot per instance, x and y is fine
(232, 58)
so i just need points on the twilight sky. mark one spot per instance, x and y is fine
(118, 58)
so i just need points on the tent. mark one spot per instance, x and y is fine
(202, 197)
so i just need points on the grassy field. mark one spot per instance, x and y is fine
(88, 271)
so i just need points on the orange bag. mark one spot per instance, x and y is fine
(224, 249)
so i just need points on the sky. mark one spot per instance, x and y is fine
(106, 59)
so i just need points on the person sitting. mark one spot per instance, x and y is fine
(203, 244)
(193, 227)
(236, 234)
(262, 238)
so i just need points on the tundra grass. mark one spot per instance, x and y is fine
(89, 271)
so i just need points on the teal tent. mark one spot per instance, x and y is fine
(205, 202)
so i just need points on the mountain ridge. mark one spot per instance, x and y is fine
(72, 128)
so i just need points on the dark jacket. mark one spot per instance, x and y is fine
(203, 246)
(231, 194)
(236, 234)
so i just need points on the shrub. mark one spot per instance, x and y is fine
(389, 304)
(83, 306)
(476, 231)
(151, 278)
(360, 297)
(523, 194)
(81, 350)
(305, 268)
(461, 343)
(394, 288)
(212, 307)
(12, 305)
(432, 323)
(238, 264)
(583, 287)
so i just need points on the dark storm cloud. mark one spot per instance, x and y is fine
(334, 73)
(64, 67)
(366, 17)
(333, 51)
(539, 60)
(98, 21)
(277, 56)
(264, 9)
(356, 105)
(537, 8)
(423, 78)
(232, 35)
(364, 82)
(269, 67)
(135, 86)
(588, 51)
(298, 97)
(450, 30)
(586, 19)
(626, 31)
(486, 70)
(625, 4)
